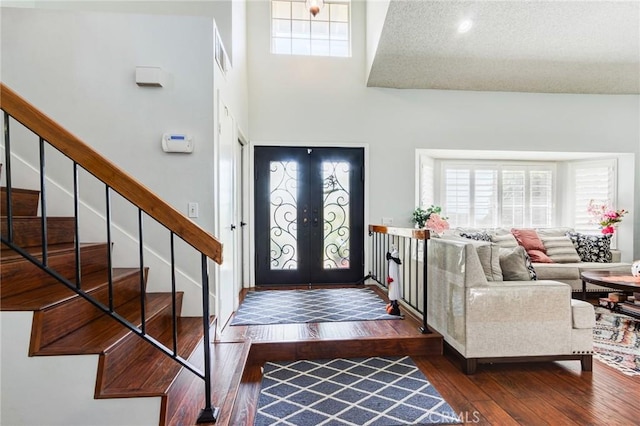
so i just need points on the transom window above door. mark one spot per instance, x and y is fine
(295, 31)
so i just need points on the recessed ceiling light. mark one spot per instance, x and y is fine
(465, 26)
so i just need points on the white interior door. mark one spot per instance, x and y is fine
(239, 233)
(226, 284)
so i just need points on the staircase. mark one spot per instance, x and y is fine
(73, 324)
(66, 324)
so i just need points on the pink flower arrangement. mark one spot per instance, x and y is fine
(605, 216)
(436, 223)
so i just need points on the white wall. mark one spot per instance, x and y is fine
(303, 99)
(218, 9)
(58, 390)
(79, 69)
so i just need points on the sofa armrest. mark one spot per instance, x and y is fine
(528, 318)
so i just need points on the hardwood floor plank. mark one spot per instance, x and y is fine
(554, 393)
(492, 413)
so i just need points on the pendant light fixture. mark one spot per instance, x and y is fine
(314, 6)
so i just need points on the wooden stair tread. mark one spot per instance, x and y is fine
(8, 255)
(24, 201)
(151, 372)
(27, 230)
(105, 332)
(52, 294)
(186, 396)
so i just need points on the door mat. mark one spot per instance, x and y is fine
(616, 341)
(318, 305)
(381, 391)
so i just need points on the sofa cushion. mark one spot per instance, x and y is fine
(512, 263)
(592, 248)
(560, 249)
(558, 271)
(504, 240)
(582, 314)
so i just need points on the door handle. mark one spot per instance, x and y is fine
(233, 227)
(243, 224)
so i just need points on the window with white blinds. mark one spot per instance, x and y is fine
(426, 185)
(592, 180)
(498, 194)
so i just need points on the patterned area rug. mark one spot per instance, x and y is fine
(616, 341)
(300, 306)
(360, 391)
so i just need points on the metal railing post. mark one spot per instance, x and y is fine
(208, 414)
(424, 329)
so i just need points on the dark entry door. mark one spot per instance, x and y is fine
(309, 215)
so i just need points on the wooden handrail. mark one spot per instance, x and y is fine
(418, 234)
(109, 173)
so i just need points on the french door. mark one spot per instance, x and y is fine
(309, 212)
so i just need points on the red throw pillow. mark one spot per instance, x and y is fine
(528, 238)
(539, 257)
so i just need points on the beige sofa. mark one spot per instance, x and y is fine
(566, 272)
(501, 321)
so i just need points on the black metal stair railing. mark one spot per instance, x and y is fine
(412, 248)
(208, 414)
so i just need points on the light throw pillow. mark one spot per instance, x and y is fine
(553, 232)
(560, 249)
(489, 255)
(504, 240)
(513, 264)
(592, 248)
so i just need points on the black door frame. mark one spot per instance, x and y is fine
(314, 229)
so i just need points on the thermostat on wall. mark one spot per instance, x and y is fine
(177, 142)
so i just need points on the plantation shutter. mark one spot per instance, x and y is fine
(485, 198)
(593, 180)
(498, 194)
(541, 198)
(513, 198)
(457, 195)
(427, 182)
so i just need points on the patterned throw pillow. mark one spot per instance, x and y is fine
(532, 272)
(478, 236)
(592, 248)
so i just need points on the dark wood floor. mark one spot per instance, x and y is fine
(549, 393)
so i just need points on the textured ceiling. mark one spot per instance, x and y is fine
(516, 46)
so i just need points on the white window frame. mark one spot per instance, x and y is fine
(323, 17)
(527, 167)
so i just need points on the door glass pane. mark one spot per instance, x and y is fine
(283, 185)
(335, 181)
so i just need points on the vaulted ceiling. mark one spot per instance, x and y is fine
(519, 46)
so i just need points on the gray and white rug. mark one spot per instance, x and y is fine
(304, 306)
(380, 391)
